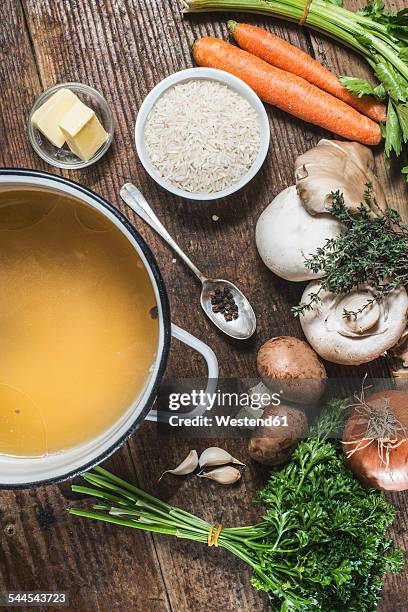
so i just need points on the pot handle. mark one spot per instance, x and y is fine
(212, 375)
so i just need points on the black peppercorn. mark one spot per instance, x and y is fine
(223, 302)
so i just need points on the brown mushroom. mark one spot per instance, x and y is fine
(273, 444)
(289, 366)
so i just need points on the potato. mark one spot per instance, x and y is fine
(273, 445)
(289, 366)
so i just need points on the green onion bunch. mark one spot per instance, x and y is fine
(321, 544)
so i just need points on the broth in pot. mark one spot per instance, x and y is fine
(78, 323)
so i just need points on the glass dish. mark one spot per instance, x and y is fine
(64, 158)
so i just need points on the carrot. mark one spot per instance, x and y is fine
(282, 54)
(287, 91)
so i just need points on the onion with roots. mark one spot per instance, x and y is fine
(375, 440)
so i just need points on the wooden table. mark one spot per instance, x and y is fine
(123, 48)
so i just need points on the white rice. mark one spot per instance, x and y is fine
(202, 136)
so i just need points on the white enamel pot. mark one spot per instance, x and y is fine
(20, 472)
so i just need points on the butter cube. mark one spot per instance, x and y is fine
(47, 118)
(83, 131)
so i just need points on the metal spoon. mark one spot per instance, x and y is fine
(241, 328)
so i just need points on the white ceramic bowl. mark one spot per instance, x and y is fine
(212, 75)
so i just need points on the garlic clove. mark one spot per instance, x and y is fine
(223, 475)
(216, 456)
(187, 466)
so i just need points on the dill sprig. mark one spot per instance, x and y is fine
(371, 250)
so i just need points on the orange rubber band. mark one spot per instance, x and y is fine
(213, 535)
(210, 536)
(306, 12)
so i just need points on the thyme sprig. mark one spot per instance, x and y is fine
(371, 250)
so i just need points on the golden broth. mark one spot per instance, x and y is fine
(77, 334)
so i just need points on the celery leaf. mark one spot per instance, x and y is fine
(358, 87)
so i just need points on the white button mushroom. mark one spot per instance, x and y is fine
(334, 165)
(272, 445)
(286, 234)
(358, 338)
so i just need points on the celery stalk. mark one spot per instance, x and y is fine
(378, 35)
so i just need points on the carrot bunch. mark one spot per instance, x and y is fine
(288, 78)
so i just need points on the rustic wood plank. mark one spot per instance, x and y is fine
(101, 569)
(17, 94)
(124, 48)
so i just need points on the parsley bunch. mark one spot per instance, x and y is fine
(321, 544)
(371, 250)
(331, 552)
